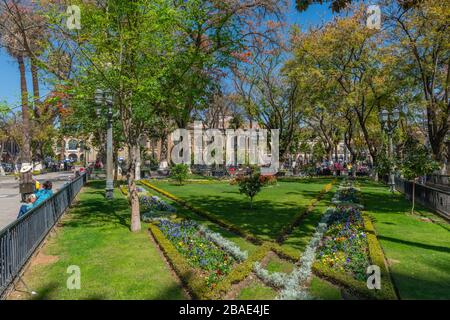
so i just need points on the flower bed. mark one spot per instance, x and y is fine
(154, 207)
(347, 195)
(344, 246)
(350, 245)
(213, 261)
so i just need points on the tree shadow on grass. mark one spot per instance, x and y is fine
(264, 219)
(45, 293)
(416, 244)
(420, 286)
(93, 210)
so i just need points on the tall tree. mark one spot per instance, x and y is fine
(420, 42)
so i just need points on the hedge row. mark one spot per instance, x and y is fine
(376, 254)
(206, 214)
(302, 214)
(196, 286)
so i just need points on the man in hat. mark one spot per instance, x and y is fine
(27, 184)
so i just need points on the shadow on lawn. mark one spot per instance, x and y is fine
(416, 244)
(419, 287)
(95, 211)
(265, 219)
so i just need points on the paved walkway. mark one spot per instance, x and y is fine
(10, 197)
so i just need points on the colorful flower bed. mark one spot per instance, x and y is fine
(344, 246)
(154, 207)
(199, 251)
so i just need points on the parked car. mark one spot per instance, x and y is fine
(8, 167)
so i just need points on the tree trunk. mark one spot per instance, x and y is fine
(116, 165)
(2, 170)
(26, 151)
(164, 149)
(134, 198)
(137, 174)
(36, 93)
(413, 196)
(62, 154)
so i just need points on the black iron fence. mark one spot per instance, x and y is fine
(19, 240)
(430, 197)
(439, 180)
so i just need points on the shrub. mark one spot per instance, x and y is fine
(179, 172)
(250, 184)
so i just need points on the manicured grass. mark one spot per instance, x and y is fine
(418, 251)
(275, 264)
(273, 208)
(323, 290)
(114, 263)
(300, 236)
(257, 291)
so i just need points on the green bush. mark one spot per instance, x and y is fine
(179, 172)
(251, 184)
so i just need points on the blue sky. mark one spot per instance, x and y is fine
(9, 70)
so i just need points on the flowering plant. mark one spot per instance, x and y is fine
(344, 245)
(154, 203)
(198, 250)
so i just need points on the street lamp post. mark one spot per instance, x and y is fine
(105, 98)
(388, 120)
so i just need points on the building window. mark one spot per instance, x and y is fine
(72, 145)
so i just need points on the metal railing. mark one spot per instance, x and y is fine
(430, 197)
(19, 240)
(439, 180)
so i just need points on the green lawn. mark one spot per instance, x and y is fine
(257, 291)
(273, 208)
(300, 236)
(418, 250)
(323, 290)
(114, 263)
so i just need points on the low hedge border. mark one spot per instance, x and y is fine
(211, 217)
(195, 285)
(377, 257)
(287, 230)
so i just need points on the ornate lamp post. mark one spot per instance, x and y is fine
(103, 98)
(388, 120)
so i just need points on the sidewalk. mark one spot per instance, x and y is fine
(10, 197)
